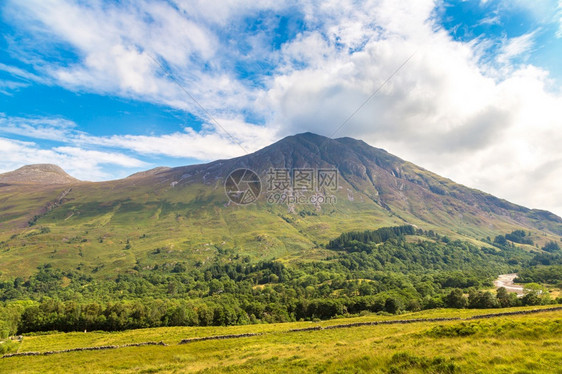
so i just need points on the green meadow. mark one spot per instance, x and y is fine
(530, 343)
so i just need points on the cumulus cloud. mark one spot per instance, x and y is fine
(494, 127)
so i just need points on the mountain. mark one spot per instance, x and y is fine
(373, 175)
(38, 174)
(184, 214)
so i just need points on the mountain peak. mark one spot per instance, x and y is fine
(38, 174)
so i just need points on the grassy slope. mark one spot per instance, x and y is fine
(91, 229)
(188, 224)
(529, 343)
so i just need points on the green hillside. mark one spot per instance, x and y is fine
(109, 227)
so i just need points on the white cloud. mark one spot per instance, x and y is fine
(82, 164)
(19, 79)
(235, 138)
(120, 47)
(515, 47)
(7, 87)
(37, 127)
(87, 157)
(20, 73)
(205, 145)
(496, 128)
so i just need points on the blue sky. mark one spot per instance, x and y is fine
(106, 89)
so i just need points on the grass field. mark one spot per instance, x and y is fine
(508, 344)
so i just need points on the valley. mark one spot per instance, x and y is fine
(360, 186)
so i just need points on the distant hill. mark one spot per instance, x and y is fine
(183, 213)
(44, 174)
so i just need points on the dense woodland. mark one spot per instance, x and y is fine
(387, 270)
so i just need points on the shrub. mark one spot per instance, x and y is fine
(7, 346)
(551, 247)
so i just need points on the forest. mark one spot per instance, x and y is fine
(385, 271)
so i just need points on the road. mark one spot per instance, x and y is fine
(506, 280)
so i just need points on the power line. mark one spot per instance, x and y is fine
(372, 95)
(168, 73)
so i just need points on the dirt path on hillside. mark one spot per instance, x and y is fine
(506, 280)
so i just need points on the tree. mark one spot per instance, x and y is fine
(500, 240)
(551, 247)
(179, 267)
(506, 299)
(392, 305)
(215, 286)
(456, 299)
(483, 300)
(519, 236)
(535, 288)
(535, 294)
(501, 293)
(413, 305)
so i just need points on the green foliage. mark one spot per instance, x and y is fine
(482, 300)
(551, 246)
(8, 346)
(519, 236)
(500, 240)
(543, 268)
(352, 241)
(391, 276)
(403, 362)
(456, 299)
(506, 299)
(392, 305)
